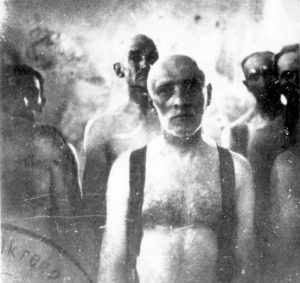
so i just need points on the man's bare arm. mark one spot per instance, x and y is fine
(284, 211)
(245, 213)
(96, 169)
(55, 156)
(112, 259)
(284, 252)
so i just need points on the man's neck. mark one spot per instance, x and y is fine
(183, 145)
(139, 96)
(269, 109)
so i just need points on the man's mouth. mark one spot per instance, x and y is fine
(183, 116)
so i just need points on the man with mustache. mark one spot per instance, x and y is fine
(128, 127)
(285, 178)
(181, 208)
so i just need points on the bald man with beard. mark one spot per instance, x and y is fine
(128, 127)
(181, 208)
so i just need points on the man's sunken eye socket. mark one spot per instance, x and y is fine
(290, 75)
(187, 87)
(257, 73)
(135, 56)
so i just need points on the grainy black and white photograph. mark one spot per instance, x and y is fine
(150, 141)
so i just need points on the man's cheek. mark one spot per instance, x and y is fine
(158, 104)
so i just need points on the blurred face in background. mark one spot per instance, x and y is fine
(288, 67)
(139, 55)
(260, 78)
(23, 96)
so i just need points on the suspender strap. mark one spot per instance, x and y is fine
(227, 228)
(240, 136)
(134, 230)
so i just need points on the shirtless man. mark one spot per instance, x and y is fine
(180, 209)
(39, 188)
(128, 127)
(259, 135)
(285, 179)
(260, 81)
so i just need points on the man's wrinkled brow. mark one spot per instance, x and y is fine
(161, 83)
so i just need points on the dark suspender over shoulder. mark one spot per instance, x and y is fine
(226, 230)
(134, 230)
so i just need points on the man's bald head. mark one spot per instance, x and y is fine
(287, 66)
(175, 85)
(263, 58)
(174, 67)
(138, 54)
(139, 42)
(259, 74)
(21, 90)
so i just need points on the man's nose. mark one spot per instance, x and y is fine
(143, 63)
(180, 97)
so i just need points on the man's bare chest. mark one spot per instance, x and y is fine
(180, 199)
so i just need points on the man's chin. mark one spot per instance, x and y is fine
(140, 87)
(182, 134)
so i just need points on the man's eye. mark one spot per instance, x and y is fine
(254, 76)
(186, 84)
(289, 75)
(191, 85)
(165, 91)
(151, 58)
(135, 57)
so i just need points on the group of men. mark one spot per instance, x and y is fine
(173, 205)
(264, 135)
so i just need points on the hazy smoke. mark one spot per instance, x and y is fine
(218, 34)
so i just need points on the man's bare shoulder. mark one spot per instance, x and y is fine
(101, 125)
(101, 120)
(236, 135)
(287, 161)
(242, 168)
(242, 121)
(50, 134)
(50, 144)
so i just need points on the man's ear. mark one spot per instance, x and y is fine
(119, 70)
(41, 104)
(209, 92)
(150, 103)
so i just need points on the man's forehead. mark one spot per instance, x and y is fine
(25, 80)
(174, 76)
(257, 62)
(142, 44)
(289, 61)
(174, 71)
